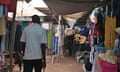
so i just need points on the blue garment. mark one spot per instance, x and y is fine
(1, 11)
(98, 49)
(55, 45)
(116, 50)
(84, 31)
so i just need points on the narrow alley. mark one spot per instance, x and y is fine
(65, 64)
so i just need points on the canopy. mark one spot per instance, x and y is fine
(64, 7)
(24, 9)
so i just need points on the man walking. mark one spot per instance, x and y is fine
(33, 45)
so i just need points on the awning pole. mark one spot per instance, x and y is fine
(12, 28)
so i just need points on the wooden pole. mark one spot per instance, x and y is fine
(12, 29)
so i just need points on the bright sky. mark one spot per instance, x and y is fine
(28, 8)
(38, 3)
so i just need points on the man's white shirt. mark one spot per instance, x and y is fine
(33, 36)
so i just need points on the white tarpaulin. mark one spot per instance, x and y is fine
(24, 9)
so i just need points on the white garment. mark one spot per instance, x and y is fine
(116, 43)
(92, 55)
(33, 36)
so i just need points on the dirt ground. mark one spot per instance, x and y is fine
(65, 64)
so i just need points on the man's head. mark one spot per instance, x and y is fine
(35, 19)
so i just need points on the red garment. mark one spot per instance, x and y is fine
(106, 66)
(12, 6)
(10, 3)
(6, 2)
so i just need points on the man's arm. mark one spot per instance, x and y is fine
(43, 48)
(23, 41)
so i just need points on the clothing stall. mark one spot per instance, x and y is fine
(5, 7)
(104, 39)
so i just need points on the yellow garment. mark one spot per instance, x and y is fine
(77, 37)
(110, 26)
(82, 39)
(2, 25)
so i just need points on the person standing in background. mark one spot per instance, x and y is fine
(33, 42)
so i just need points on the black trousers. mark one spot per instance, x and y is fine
(28, 65)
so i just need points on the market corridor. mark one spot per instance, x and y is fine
(66, 64)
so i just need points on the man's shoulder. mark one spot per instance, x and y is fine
(26, 28)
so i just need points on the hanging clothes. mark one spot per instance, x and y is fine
(106, 66)
(97, 49)
(114, 8)
(50, 38)
(55, 45)
(2, 25)
(2, 44)
(6, 2)
(12, 6)
(1, 10)
(17, 38)
(118, 14)
(110, 26)
(24, 24)
(2, 48)
(7, 38)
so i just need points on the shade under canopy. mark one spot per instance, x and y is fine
(64, 7)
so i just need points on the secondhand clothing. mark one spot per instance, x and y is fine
(33, 36)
